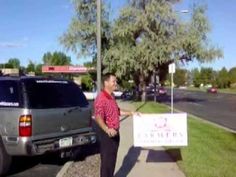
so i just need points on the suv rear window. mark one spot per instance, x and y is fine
(9, 94)
(53, 94)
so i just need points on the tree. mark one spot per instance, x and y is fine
(57, 58)
(87, 83)
(13, 63)
(80, 37)
(208, 76)
(232, 76)
(223, 80)
(148, 36)
(196, 77)
(180, 77)
(31, 67)
(38, 69)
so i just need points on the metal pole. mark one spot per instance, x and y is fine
(99, 63)
(172, 94)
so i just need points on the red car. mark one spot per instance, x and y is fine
(212, 90)
(162, 91)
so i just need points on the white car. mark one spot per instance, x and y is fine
(90, 95)
(117, 93)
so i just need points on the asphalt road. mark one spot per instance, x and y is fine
(39, 166)
(219, 108)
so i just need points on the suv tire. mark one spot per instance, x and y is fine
(5, 160)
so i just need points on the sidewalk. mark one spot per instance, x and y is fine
(141, 162)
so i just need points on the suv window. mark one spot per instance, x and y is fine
(53, 94)
(9, 94)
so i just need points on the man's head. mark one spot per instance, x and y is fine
(109, 82)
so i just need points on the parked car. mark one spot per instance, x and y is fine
(39, 115)
(212, 90)
(127, 95)
(90, 95)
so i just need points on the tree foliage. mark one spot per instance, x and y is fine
(146, 37)
(232, 75)
(56, 58)
(180, 77)
(208, 76)
(196, 77)
(223, 80)
(87, 83)
(149, 36)
(13, 63)
(31, 67)
(80, 36)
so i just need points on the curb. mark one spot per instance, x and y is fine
(64, 169)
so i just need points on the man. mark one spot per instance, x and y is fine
(107, 115)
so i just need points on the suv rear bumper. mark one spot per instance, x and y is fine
(27, 146)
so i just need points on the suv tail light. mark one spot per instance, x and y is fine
(25, 125)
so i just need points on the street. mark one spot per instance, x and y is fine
(219, 108)
(39, 166)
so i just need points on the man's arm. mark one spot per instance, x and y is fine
(126, 113)
(110, 131)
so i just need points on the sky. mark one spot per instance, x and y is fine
(30, 28)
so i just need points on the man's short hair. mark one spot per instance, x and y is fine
(107, 76)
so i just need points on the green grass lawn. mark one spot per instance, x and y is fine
(211, 151)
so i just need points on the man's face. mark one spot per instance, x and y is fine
(111, 83)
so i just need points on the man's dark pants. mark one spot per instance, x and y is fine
(108, 151)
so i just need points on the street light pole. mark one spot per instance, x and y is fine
(99, 63)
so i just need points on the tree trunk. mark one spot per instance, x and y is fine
(142, 87)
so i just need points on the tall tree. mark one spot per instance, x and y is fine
(148, 36)
(13, 63)
(207, 75)
(80, 37)
(38, 69)
(31, 67)
(223, 80)
(196, 77)
(180, 77)
(57, 58)
(232, 76)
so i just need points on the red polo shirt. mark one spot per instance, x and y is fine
(106, 107)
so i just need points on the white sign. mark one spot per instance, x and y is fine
(160, 130)
(172, 68)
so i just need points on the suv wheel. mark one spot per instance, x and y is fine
(5, 160)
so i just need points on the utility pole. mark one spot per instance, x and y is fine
(99, 62)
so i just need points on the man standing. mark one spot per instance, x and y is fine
(107, 115)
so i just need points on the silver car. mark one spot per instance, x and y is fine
(39, 114)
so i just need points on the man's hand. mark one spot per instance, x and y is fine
(136, 114)
(111, 132)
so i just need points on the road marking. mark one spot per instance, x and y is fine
(197, 104)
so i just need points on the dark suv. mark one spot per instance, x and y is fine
(39, 114)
